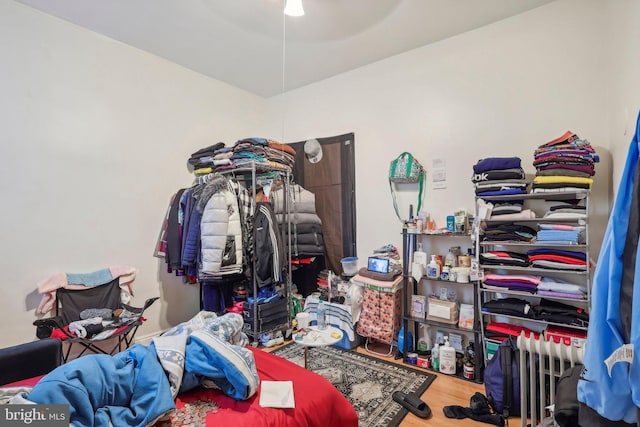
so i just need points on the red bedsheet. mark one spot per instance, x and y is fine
(318, 402)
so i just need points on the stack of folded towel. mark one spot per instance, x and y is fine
(564, 164)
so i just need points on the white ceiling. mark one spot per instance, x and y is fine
(249, 43)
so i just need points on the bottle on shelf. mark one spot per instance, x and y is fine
(420, 256)
(444, 275)
(447, 358)
(435, 357)
(451, 259)
(469, 362)
(424, 342)
(433, 268)
(322, 315)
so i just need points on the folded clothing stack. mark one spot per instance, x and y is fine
(554, 287)
(560, 234)
(557, 259)
(512, 282)
(508, 233)
(497, 176)
(504, 258)
(564, 164)
(535, 285)
(546, 310)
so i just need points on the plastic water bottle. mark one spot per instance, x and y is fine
(322, 315)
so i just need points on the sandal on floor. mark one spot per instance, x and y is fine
(413, 403)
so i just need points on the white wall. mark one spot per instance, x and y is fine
(622, 74)
(96, 133)
(95, 138)
(501, 90)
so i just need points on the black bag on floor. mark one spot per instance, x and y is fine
(502, 379)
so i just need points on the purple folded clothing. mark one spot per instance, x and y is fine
(511, 283)
(561, 295)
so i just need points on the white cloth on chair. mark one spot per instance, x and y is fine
(78, 328)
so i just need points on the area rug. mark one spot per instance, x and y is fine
(367, 382)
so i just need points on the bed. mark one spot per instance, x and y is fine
(317, 401)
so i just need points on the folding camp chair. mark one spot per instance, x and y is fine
(70, 309)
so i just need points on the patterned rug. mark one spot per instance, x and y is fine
(367, 382)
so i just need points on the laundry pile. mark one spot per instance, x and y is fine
(502, 176)
(564, 164)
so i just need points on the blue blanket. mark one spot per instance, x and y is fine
(129, 389)
(138, 386)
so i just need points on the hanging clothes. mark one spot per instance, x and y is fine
(611, 378)
(268, 247)
(220, 229)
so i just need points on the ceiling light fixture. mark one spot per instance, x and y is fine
(293, 8)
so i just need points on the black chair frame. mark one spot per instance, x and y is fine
(124, 338)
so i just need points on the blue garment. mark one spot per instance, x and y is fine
(496, 163)
(128, 389)
(191, 237)
(505, 192)
(614, 396)
(96, 278)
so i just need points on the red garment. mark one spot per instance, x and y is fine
(557, 258)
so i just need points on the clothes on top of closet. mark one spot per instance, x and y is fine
(265, 154)
(564, 164)
(203, 158)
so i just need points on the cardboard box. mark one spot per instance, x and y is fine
(418, 306)
(443, 311)
(467, 318)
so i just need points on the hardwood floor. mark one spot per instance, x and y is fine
(444, 391)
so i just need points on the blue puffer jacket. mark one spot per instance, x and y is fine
(191, 237)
